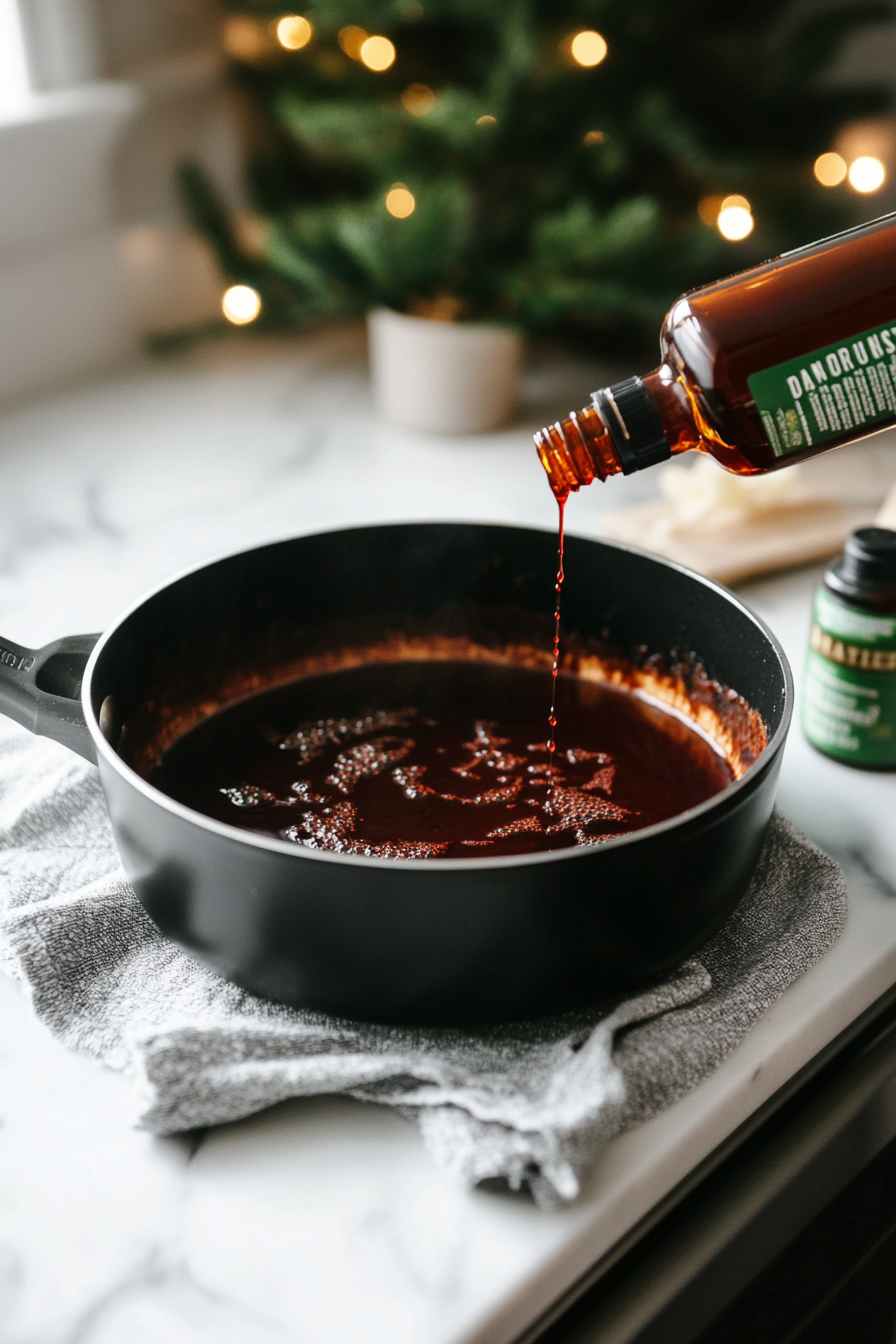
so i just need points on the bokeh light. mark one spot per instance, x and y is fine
(399, 201)
(487, 120)
(294, 32)
(244, 39)
(708, 209)
(588, 48)
(866, 174)
(351, 39)
(418, 99)
(735, 219)
(241, 304)
(593, 138)
(830, 169)
(377, 53)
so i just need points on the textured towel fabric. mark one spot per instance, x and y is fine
(529, 1104)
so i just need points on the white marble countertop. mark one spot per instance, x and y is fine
(324, 1221)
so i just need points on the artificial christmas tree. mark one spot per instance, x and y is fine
(555, 164)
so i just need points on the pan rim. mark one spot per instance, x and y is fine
(273, 844)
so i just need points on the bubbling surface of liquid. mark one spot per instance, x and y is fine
(441, 760)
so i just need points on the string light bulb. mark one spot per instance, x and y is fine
(351, 39)
(735, 219)
(241, 304)
(244, 39)
(377, 53)
(399, 201)
(588, 48)
(830, 169)
(866, 174)
(708, 209)
(418, 99)
(294, 32)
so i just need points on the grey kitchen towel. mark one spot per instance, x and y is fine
(529, 1104)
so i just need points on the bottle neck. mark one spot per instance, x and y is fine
(629, 426)
(576, 451)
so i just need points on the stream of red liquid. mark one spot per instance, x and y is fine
(558, 588)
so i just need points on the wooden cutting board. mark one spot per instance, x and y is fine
(756, 544)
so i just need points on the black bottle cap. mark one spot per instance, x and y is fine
(865, 574)
(638, 436)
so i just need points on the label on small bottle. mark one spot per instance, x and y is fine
(846, 388)
(849, 685)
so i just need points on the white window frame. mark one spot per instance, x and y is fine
(60, 308)
(15, 81)
(81, 279)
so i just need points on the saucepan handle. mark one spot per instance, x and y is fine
(41, 690)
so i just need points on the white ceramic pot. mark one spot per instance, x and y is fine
(445, 377)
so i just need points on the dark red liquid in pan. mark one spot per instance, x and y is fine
(440, 759)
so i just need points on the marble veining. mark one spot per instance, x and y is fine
(323, 1221)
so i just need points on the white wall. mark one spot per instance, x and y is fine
(93, 252)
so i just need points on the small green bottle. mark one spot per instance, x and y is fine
(849, 686)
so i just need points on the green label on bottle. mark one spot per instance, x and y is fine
(846, 388)
(849, 685)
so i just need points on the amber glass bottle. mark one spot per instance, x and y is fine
(761, 370)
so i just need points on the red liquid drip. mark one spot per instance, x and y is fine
(558, 587)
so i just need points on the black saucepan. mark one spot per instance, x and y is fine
(433, 940)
